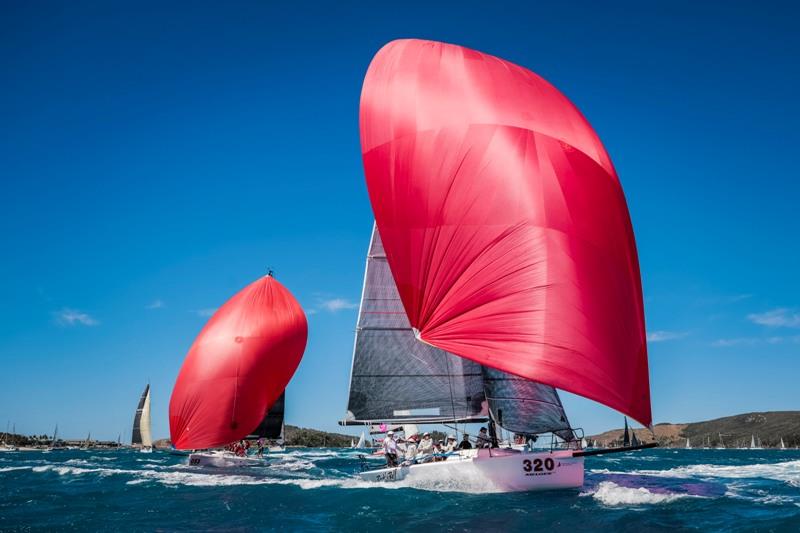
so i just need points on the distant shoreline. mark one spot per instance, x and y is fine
(735, 431)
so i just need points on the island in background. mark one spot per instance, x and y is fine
(736, 431)
(731, 432)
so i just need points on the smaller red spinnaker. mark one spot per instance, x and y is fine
(237, 367)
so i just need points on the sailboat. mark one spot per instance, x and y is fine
(87, 442)
(141, 436)
(5, 446)
(753, 445)
(231, 384)
(782, 446)
(508, 239)
(626, 438)
(688, 444)
(53, 442)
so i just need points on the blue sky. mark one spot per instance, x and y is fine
(155, 160)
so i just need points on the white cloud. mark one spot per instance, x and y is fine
(73, 317)
(753, 341)
(205, 312)
(155, 304)
(337, 304)
(781, 317)
(662, 335)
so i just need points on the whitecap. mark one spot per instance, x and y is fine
(788, 471)
(609, 493)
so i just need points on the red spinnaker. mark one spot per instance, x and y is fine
(504, 222)
(237, 367)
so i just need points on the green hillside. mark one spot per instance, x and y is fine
(735, 430)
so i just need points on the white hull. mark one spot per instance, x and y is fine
(502, 470)
(224, 460)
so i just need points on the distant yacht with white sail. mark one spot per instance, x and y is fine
(141, 437)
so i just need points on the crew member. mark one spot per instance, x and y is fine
(390, 449)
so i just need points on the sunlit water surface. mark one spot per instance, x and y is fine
(316, 489)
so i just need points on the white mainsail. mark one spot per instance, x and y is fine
(783, 446)
(361, 441)
(141, 436)
(688, 444)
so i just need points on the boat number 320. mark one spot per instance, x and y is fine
(537, 465)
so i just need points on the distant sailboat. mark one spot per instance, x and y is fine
(5, 446)
(86, 443)
(361, 441)
(259, 336)
(753, 443)
(634, 441)
(688, 444)
(55, 437)
(141, 437)
(782, 445)
(626, 438)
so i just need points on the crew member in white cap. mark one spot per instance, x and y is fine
(450, 445)
(425, 448)
(390, 449)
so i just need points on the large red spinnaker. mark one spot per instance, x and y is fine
(237, 367)
(504, 222)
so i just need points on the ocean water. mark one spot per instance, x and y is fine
(316, 490)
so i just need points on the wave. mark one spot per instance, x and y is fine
(788, 472)
(12, 468)
(609, 493)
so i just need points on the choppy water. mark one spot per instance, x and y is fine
(649, 490)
